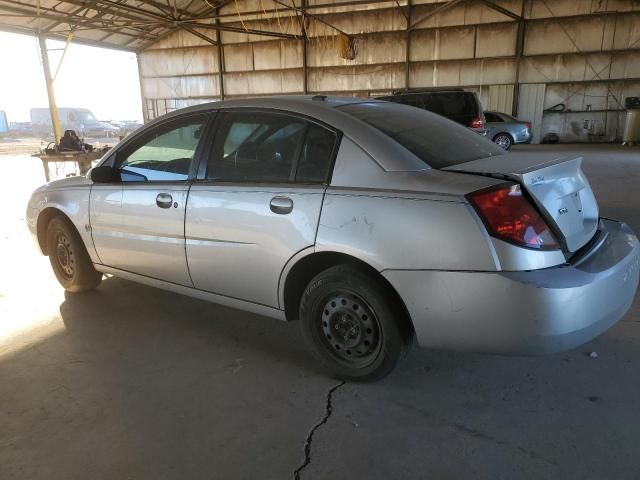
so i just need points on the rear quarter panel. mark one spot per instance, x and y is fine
(403, 232)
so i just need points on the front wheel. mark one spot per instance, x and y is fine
(503, 140)
(352, 324)
(69, 258)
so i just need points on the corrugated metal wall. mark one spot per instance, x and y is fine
(584, 53)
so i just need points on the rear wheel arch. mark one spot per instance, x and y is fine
(306, 268)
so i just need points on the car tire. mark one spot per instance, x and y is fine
(352, 325)
(503, 140)
(69, 258)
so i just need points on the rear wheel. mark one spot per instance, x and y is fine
(69, 258)
(503, 140)
(352, 324)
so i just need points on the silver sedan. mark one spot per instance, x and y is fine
(371, 223)
(506, 130)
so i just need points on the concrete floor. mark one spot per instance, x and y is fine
(133, 382)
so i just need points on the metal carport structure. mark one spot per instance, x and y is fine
(520, 56)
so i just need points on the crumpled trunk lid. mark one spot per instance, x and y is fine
(557, 185)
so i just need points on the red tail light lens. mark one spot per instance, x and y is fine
(509, 216)
(477, 122)
(528, 124)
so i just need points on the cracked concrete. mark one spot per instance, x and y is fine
(133, 382)
(307, 444)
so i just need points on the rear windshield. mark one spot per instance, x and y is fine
(437, 141)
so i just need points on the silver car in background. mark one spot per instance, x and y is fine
(505, 130)
(371, 223)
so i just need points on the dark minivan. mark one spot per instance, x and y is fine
(454, 103)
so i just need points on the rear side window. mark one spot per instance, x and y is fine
(413, 100)
(492, 117)
(451, 104)
(317, 155)
(435, 140)
(270, 147)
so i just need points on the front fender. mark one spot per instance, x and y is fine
(72, 201)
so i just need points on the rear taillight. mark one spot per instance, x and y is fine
(477, 122)
(509, 216)
(528, 124)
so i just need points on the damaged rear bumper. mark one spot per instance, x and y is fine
(531, 312)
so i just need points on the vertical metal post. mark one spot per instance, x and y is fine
(143, 100)
(519, 50)
(53, 108)
(303, 27)
(407, 53)
(606, 106)
(220, 59)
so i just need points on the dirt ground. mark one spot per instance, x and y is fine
(19, 146)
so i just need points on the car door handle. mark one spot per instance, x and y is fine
(164, 200)
(281, 205)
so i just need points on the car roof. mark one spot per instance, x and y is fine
(390, 155)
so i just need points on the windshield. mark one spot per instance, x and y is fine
(437, 141)
(85, 117)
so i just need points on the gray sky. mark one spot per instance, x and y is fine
(104, 81)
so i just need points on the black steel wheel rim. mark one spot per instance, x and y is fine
(64, 256)
(350, 329)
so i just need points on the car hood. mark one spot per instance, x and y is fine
(68, 182)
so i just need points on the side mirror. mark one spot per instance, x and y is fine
(105, 174)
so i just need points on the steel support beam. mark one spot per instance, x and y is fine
(201, 36)
(303, 30)
(440, 9)
(250, 31)
(519, 54)
(407, 50)
(53, 108)
(220, 61)
(502, 10)
(143, 100)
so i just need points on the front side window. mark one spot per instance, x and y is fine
(165, 154)
(256, 147)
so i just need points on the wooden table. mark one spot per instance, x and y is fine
(83, 159)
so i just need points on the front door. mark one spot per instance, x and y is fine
(258, 202)
(138, 225)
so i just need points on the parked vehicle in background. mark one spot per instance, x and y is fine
(125, 127)
(79, 119)
(368, 222)
(453, 103)
(18, 129)
(505, 130)
(4, 124)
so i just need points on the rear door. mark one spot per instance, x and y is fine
(138, 225)
(257, 202)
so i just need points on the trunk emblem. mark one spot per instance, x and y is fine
(562, 210)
